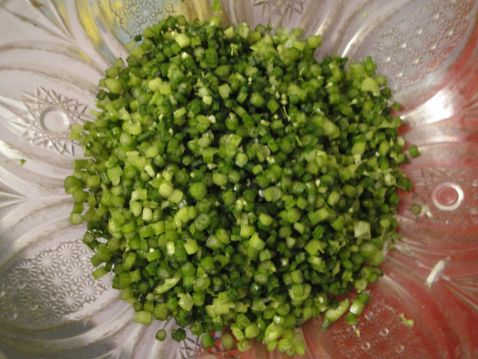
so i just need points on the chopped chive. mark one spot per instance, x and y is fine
(233, 180)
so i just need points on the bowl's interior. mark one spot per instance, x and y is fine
(52, 54)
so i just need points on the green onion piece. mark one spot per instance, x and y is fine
(413, 151)
(416, 209)
(142, 317)
(198, 190)
(273, 332)
(362, 229)
(178, 335)
(227, 341)
(161, 335)
(113, 85)
(207, 340)
(183, 40)
(334, 314)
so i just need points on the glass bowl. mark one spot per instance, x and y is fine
(52, 53)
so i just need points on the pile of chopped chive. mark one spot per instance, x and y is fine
(231, 180)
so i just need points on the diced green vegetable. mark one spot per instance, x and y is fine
(231, 180)
(416, 209)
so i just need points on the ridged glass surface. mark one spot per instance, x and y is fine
(53, 52)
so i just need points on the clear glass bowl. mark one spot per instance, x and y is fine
(52, 53)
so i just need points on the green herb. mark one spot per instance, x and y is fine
(407, 322)
(413, 151)
(161, 335)
(416, 209)
(178, 334)
(231, 180)
(208, 340)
